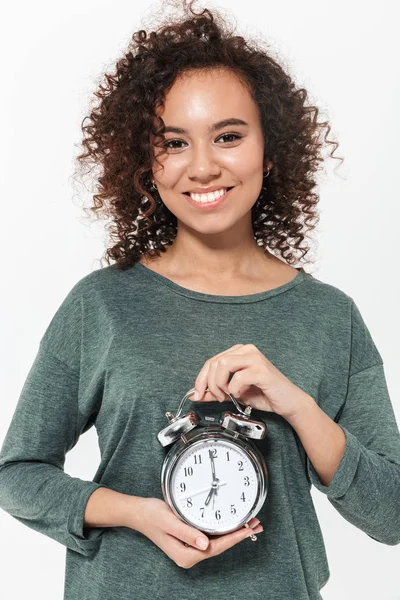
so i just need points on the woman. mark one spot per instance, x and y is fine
(209, 154)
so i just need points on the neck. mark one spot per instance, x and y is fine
(218, 258)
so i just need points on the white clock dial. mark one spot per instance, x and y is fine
(236, 488)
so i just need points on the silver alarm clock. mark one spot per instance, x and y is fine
(214, 478)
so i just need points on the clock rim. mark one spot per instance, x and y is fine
(195, 437)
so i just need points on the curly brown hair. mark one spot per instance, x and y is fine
(118, 137)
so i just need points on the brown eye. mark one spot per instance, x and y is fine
(230, 135)
(167, 144)
(174, 144)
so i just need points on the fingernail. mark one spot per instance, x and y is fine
(201, 543)
(258, 529)
(254, 531)
(196, 395)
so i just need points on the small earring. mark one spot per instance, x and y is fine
(267, 172)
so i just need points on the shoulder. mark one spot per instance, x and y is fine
(102, 286)
(82, 300)
(96, 280)
(326, 296)
(344, 316)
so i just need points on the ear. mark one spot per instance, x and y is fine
(268, 165)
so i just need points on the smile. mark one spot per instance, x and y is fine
(208, 201)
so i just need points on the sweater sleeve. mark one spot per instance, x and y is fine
(365, 488)
(47, 424)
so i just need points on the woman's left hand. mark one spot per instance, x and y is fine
(255, 382)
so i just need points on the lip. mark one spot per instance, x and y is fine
(212, 188)
(209, 205)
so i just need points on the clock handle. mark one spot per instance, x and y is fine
(245, 413)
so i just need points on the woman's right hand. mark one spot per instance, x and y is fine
(155, 519)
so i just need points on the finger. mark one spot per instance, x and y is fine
(189, 535)
(202, 377)
(243, 378)
(224, 542)
(251, 527)
(219, 372)
(191, 555)
(213, 372)
(236, 536)
(184, 535)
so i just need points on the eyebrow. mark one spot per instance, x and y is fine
(214, 127)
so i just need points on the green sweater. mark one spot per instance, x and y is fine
(123, 348)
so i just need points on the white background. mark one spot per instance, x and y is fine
(344, 53)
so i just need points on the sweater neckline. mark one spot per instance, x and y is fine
(264, 295)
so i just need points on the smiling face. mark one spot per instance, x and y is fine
(205, 152)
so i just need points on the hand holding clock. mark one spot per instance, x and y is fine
(256, 381)
(176, 539)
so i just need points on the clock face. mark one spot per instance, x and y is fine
(236, 485)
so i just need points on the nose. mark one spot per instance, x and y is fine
(202, 164)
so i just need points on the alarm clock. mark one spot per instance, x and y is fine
(214, 477)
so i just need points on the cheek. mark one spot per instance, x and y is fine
(172, 173)
(246, 164)
(252, 177)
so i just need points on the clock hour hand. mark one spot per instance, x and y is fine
(213, 491)
(210, 494)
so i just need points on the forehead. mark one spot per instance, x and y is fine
(199, 98)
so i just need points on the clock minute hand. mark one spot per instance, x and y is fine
(200, 491)
(212, 464)
(213, 471)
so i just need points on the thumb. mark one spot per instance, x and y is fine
(195, 538)
(201, 541)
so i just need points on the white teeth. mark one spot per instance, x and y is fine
(208, 197)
